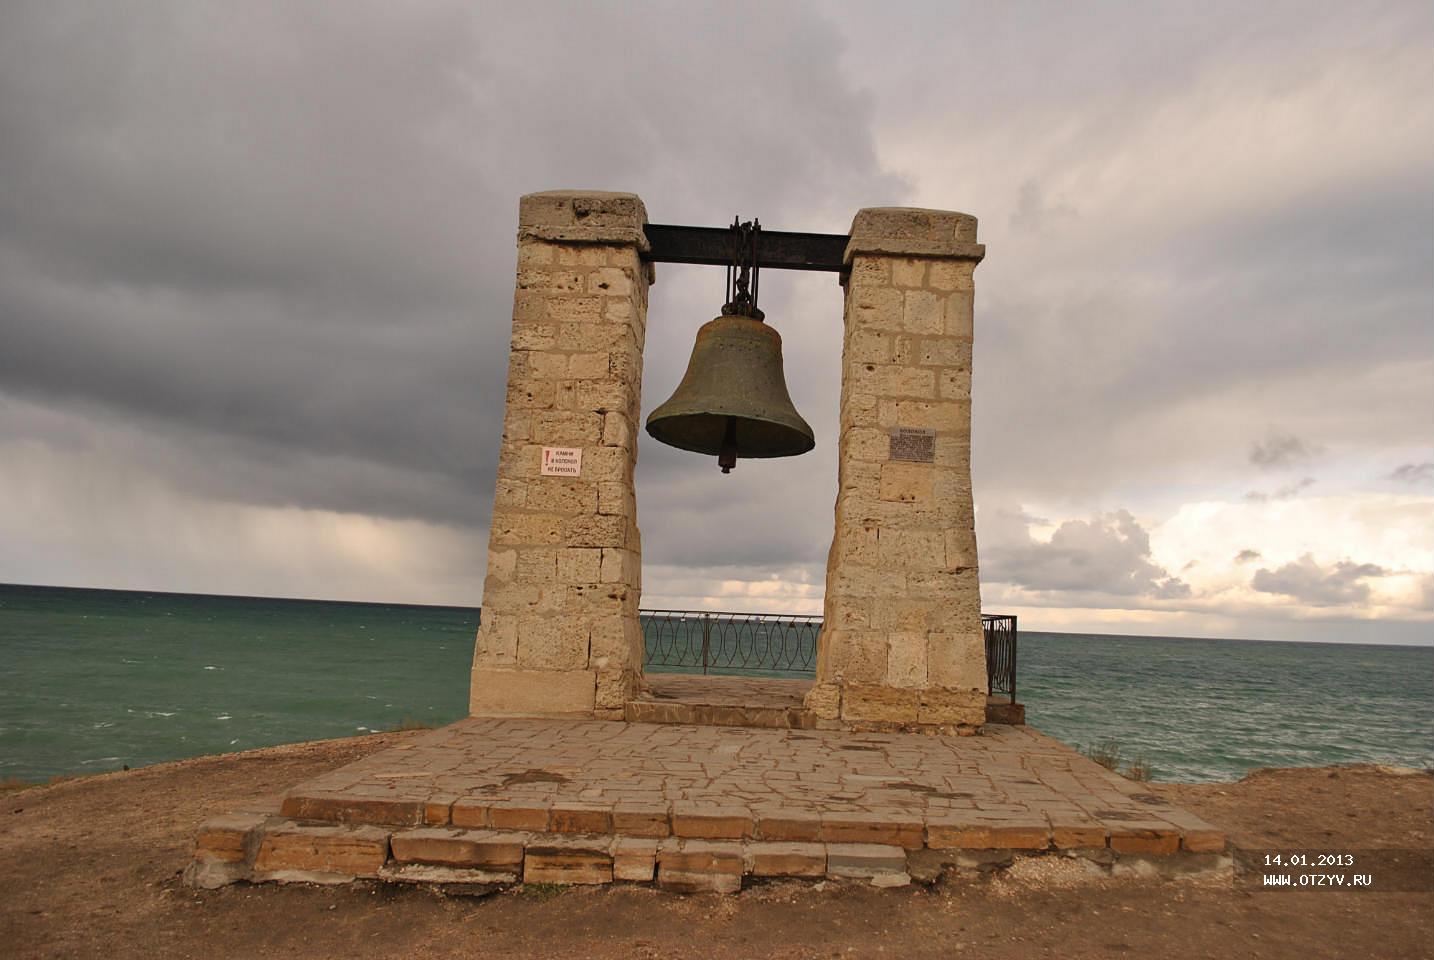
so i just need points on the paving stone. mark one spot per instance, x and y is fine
(568, 860)
(641, 820)
(579, 818)
(858, 827)
(1151, 842)
(1065, 837)
(1011, 788)
(517, 814)
(789, 825)
(766, 859)
(484, 849)
(943, 834)
(711, 822)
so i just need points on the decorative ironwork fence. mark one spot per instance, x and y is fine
(760, 644)
(749, 644)
(1000, 630)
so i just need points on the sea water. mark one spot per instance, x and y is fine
(95, 680)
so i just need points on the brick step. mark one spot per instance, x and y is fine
(262, 848)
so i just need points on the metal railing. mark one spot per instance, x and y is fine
(1000, 631)
(711, 641)
(762, 644)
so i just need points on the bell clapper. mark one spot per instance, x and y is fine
(727, 457)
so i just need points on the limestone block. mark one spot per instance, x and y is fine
(569, 816)
(955, 832)
(299, 852)
(785, 859)
(906, 660)
(580, 565)
(957, 660)
(941, 706)
(568, 860)
(879, 703)
(699, 866)
(640, 820)
(824, 700)
(559, 644)
(923, 312)
(228, 838)
(948, 275)
(459, 848)
(906, 482)
(868, 861)
(527, 692)
(634, 859)
(908, 272)
(957, 315)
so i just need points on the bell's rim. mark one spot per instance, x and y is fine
(800, 440)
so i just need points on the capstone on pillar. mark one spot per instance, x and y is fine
(901, 644)
(559, 633)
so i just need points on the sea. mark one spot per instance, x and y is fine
(99, 680)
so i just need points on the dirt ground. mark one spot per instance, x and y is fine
(90, 868)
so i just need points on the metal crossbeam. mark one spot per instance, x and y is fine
(712, 246)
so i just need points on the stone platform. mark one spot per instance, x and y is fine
(724, 701)
(494, 801)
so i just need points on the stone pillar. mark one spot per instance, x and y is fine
(901, 646)
(559, 631)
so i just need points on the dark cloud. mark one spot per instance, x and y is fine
(1247, 556)
(1108, 554)
(1414, 474)
(275, 242)
(1286, 491)
(1307, 581)
(1279, 450)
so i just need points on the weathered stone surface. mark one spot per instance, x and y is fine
(942, 833)
(559, 634)
(569, 860)
(699, 866)
(634, 859)
(566, 817)
(865, 827)
(709, 822)
(1068, 836)
(785, 824)
(763, 859)
(893, 653)
(478, 849)
(1151, 842)
(354, 809)
(515, 814)
(228, 838)
(641, 820)
(321, 853)
(868, 861)
(1203, 841)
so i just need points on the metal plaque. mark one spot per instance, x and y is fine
(562, 461)
(913, 443)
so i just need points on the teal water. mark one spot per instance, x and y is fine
(95, 679)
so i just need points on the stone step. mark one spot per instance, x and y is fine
(719, 714)
(259, 847)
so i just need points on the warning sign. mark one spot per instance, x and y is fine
(562, 461)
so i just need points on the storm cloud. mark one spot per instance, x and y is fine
(256, 269)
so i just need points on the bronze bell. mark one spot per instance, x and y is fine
(733, 400)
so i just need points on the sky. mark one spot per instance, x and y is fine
(256, 268)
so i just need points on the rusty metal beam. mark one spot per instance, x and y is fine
(712, 246)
